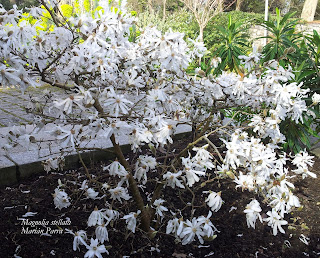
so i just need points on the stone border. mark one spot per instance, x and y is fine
(17, 173)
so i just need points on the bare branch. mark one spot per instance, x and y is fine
(204, 11)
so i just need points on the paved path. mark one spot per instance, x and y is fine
(13, 104)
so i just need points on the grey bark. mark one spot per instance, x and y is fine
(238, 6)
(309, 10)
(286, 7)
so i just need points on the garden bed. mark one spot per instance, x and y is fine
(234, 240)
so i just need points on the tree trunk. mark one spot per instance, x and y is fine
(286, 7)
(150, 7)
(164, 10)
(220, 6)
(238, 6)
(309, 10)
(201, 34)
(201, 28)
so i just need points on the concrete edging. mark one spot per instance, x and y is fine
(17, 173)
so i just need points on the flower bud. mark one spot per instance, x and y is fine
(230, 175)
(201, 73)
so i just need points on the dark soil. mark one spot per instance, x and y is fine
(234, 240)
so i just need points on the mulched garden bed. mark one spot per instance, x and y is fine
(234, 240)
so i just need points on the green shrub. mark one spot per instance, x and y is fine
(233, 40)
(281, 36)
(181, 21)
(211, 36)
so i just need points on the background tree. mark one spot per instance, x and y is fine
(164, 2)
(7, 4)
(238, 5)
(309, 10)
(150, 6)
(286, 7)
(257, 6)
(203, 11)
(220, 6)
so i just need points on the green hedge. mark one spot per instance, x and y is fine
(211, 36)
(183, 21)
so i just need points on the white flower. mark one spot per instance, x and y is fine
(304, 172)
(215, 61)
(250, 61)
(131, 220)
(303, 159)
(118, 193)
(208, 228)
(96, 217)
(315, 98)
(50, 164)
(141, 173)
(112, 214)
(245, 182)
(156, 95)
(66, 137)
(192, 175)
(7, 77)
(293, 201)
(192, 229)
(94, 250)
(133, 80)
(214, 201)
(143, 165)
(191, 172)
(84, 185)
(297, 108)
(199, 48)
(102, 233)
(138, 136)
(87, 97)
(163, 135)
(159, 208)
(223, 169)
(117, 103)
(61, 199)
(66, 105)
(279, 204)
(233, 153)
(147, 162)
(105, 186)
(252, 211)
(274, 221)
(203, 158)
(91, 193)
(172, 179)
(174, 226)
(115, 168)
(258, 123)
(79, 238)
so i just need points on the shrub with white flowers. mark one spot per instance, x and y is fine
(118, 84)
